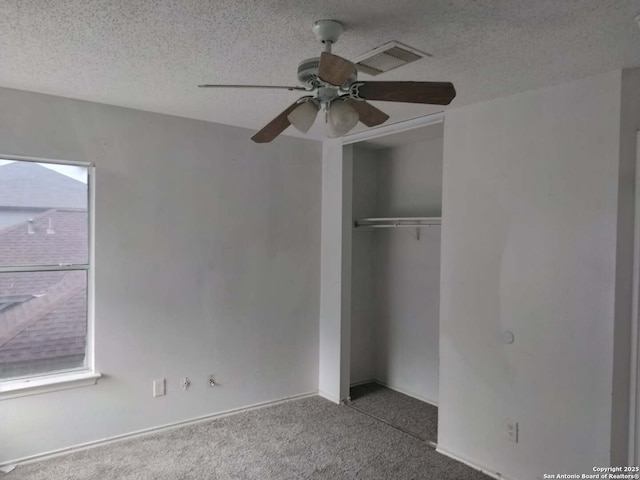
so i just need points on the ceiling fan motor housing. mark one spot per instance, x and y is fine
(308, 74)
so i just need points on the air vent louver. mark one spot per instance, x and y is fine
(387, 57)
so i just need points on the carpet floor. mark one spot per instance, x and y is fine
(404, 412)
(309, 438)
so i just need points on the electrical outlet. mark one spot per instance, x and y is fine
(512, 431)
(159, 387)
(185, 383)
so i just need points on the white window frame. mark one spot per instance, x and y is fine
(36, 384)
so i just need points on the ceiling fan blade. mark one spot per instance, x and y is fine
(334, 69)
(369, 115)
(434, 93)
(280, 87)
(275, 127)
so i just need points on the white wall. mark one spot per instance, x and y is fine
(408, 301)
(530, 198)
(410, 180)
(364, 309)
(207, 261)
(396, 278)
(335, 279)
(629, 126)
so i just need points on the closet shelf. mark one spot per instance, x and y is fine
(396, 222)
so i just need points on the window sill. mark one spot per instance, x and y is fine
(45, 384)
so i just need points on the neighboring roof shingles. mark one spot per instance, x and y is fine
(58, 237)
(47, 326)
(20, 316)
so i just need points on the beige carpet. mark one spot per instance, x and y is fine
(309, 438)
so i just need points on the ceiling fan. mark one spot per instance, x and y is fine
(332, 85)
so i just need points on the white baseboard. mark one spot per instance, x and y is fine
(473, 464)
(395, 388)
(148, 431)
(331, 398)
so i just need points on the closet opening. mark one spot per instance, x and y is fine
(395, 278)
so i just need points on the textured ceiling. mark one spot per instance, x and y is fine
(151, 55)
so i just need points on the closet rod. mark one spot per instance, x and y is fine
(413, 222)
(400, 225)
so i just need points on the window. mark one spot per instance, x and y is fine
(45, 273)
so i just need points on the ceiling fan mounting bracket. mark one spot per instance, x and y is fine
(354, 91)
(327, 31)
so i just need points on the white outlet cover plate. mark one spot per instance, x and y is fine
(512, 431)
(159, 387)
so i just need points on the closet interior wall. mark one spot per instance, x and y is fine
(395, 276)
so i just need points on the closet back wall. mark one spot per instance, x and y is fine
(395, 292)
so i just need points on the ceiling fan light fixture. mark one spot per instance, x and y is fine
(332, 132)
(302, 118)
(342, 118)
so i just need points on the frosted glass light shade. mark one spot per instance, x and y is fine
(303, 117)
(342, 118)
(332, 132)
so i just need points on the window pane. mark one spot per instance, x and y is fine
(43, 322)
(43, 214)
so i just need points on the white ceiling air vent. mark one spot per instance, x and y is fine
(387, 57)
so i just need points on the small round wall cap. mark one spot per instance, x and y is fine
(507, 337)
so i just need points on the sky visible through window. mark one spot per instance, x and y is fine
(77, 173)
